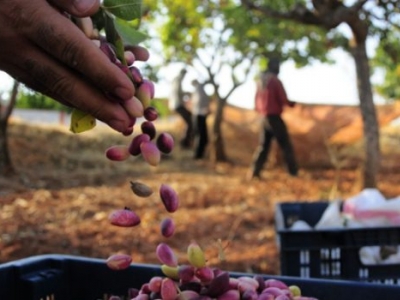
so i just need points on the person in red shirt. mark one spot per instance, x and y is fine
(270, 100)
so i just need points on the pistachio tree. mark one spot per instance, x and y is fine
(6, 108)
(364, 19)
(224, 42)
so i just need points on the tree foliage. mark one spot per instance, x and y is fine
(388, 58)
(223, 42)
(30, 99)
(364, 19)
(232, 31)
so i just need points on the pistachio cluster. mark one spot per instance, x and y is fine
(197, 281)
(146, 143)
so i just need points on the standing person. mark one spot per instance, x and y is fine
(270, 100)
(200, 109)
(177, 104)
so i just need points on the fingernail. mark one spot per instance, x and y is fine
(83, 5)
(133, 107)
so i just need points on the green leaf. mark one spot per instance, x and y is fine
(81, 121)
(129, 34)
(124, 9)
(114, 38)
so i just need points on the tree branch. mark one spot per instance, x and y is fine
(327, 13)
(299, 13)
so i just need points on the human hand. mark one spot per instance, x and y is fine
(43, 49)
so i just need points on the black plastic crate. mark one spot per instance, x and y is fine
(61, 277)
(330, 253)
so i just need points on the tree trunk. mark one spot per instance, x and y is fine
(6, 166)
(218, 154)
(370, 123)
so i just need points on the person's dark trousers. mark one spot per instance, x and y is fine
(186, 115)
(274, 127)
(201, 139)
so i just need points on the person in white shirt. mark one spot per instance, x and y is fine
(200, 111)
(177, 104)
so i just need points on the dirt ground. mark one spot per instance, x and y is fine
(65, 188)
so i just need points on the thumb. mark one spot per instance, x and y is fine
(78, 8)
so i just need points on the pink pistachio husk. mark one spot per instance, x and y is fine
(249, 295)
(233, 283)
(246, 283)
(129, 57)
(166, 255)
(108, 50)
(155, 284)
(134, 147)
(275, 283)
(219, 285)
(124, 218)
(261, 282)
(169, 198)
(145, 92)
(150, 153)
(165, 142)
(187, 295)
(133, 107)
(168, 289)
(167, 227)
(186, 273)
(136, 75)
(149, 129)
(133, 292)
(150, 113)
(273, 291)
(122, 67)
(230, 295)
(119, 261)
(145, 288)
(266, 297)
(205, 274)
(118, 153)
(150, 86)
